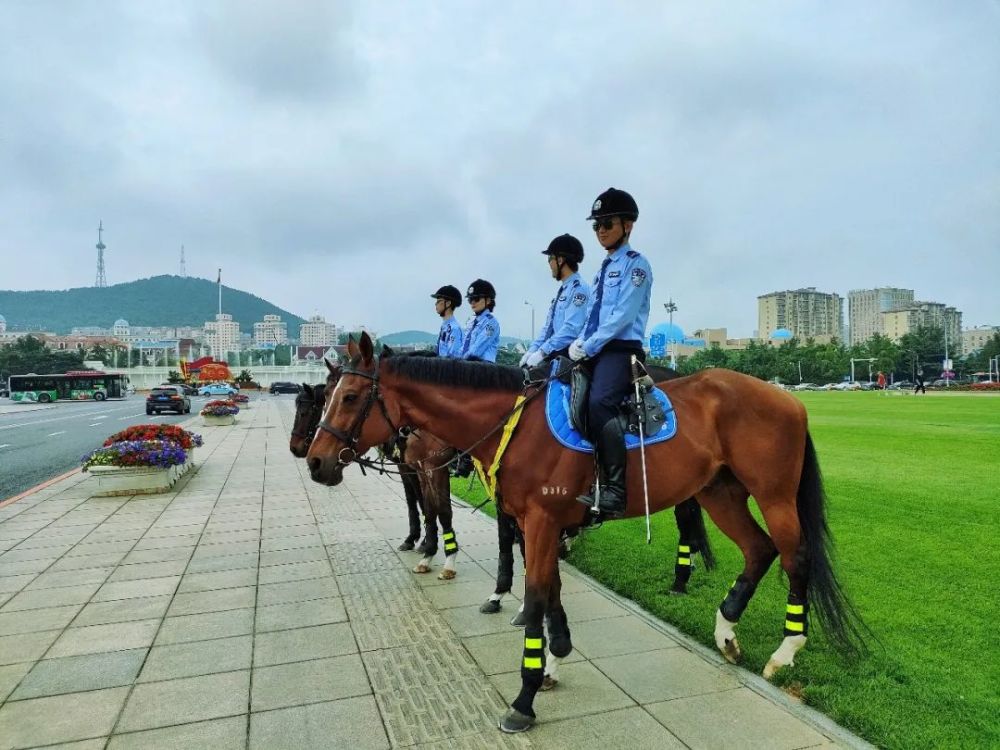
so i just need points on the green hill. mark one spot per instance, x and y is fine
(401, 338)
(158, 301)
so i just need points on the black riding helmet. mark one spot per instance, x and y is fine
(566, 246)
(449, 294)
(614, 202)
(482, 288)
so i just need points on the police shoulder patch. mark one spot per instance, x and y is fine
(490, 329)
(579, 299)
(632, 253)
(638, 277)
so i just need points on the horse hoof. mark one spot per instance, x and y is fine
(548, 683)
(421, 568)
(771, 669)
(514, 722)
(405, 546)
(518, 620)
(446, 574)
(732, 652)
(490, 607)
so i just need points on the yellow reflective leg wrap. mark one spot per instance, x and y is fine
(450, 545)
(796, 616)
(534, 651)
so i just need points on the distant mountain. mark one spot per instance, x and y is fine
(159, 301)
(422, 338)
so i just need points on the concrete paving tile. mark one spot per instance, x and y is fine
(615, 636)
(88, 547)
(280, 543)
(123, 610)
(197, 658)
(80, 562)
(12, 583)
(636, 729)
(166, 554)
(350, 723)
(467, 594)
(60, 718)
(171, 542)
(94, 639)
(25, 646)
(217, 734)
(590, 605)
(10, 675)
(212, 601)
(295, 572)
(740, 719)
(226, 562)
(469, 621)
(296, 591)
(32, 620)
(663, 675)
(296, 555)
(205, 626)
(317, 642)
(144, 587)
(300, 614)
(69, 578)
(582, 691)
(51, 597)
(501, 652)
(74, 674)
(304, 682)
(94, 744)
(158, 704)
(148, 570)
(226, 549)
(222, 580)
(465, 573)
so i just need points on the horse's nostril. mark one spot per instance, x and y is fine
(314, 464)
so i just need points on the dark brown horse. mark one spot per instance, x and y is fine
(738, 437)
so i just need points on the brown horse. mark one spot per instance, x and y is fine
(738, 437)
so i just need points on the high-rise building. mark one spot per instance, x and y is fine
(317, 332)
(222, 335)
(897, 323)
(3, 324)
(974, 339)
(865, 308)
(805, 312)
(271, 331)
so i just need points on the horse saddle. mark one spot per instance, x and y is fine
(566, 410)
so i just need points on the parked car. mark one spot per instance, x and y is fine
(806, 387)
(217, 389)
(188, 390)
(848, 386)
(284, 387)
(168, 398)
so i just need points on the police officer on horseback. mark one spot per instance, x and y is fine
(614, 331)
(567, 313)
(447, 300)
(482, 332)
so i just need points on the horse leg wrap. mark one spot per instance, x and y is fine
(682, 568)
(505, 572)
(560, 644)
(737, 599)
(450, 544)
(796, 616)
(532, 670)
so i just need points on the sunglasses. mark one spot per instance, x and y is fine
(475, 298)
(605, 224)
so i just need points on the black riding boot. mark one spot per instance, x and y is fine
(611, 459)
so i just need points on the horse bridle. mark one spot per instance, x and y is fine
(352, 437)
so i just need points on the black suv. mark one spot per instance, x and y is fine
(168, 398)
(282, 387)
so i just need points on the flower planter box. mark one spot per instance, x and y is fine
(214, 421)
(133, 480)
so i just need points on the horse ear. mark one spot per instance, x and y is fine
(352, 347)
(334, 370)
(367, 347)
(386, 351)
(307, 389)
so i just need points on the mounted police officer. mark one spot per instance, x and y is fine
(568, 311)
(482, 332)
(447, 300)
(481, 341)
(614, 331)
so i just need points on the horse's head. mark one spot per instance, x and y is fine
(356, 417)
(308, 410)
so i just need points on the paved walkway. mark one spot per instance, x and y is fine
(252, 608)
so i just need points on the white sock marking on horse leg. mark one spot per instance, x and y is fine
(551, 665)
(496, 597)
(449, 561)
(724, 630)
(785, 655)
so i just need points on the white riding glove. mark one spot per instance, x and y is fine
(535, 358)
(576, 352)
(524, 359)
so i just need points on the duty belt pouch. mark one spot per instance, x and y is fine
(579, 393)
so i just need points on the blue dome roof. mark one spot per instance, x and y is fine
(121, 322)
(670, 331)
(782, 333)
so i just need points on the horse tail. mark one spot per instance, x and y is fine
(841, 622)
(700, 537)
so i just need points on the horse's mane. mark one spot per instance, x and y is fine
(426, 367)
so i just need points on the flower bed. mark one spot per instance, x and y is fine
(141, 459)
(220, 408)
(241, 400)
(187, 440)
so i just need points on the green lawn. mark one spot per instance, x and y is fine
(914, 489)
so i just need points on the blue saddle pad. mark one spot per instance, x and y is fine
(557, 416)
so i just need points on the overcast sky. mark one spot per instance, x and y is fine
(348, 158)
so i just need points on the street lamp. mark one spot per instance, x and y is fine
(671, 307)
(532, 319)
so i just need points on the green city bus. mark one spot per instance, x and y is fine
(83, 385)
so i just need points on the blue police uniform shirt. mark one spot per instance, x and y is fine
(482, 337)
(566, 318)
(624, 301)
(450, 339)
